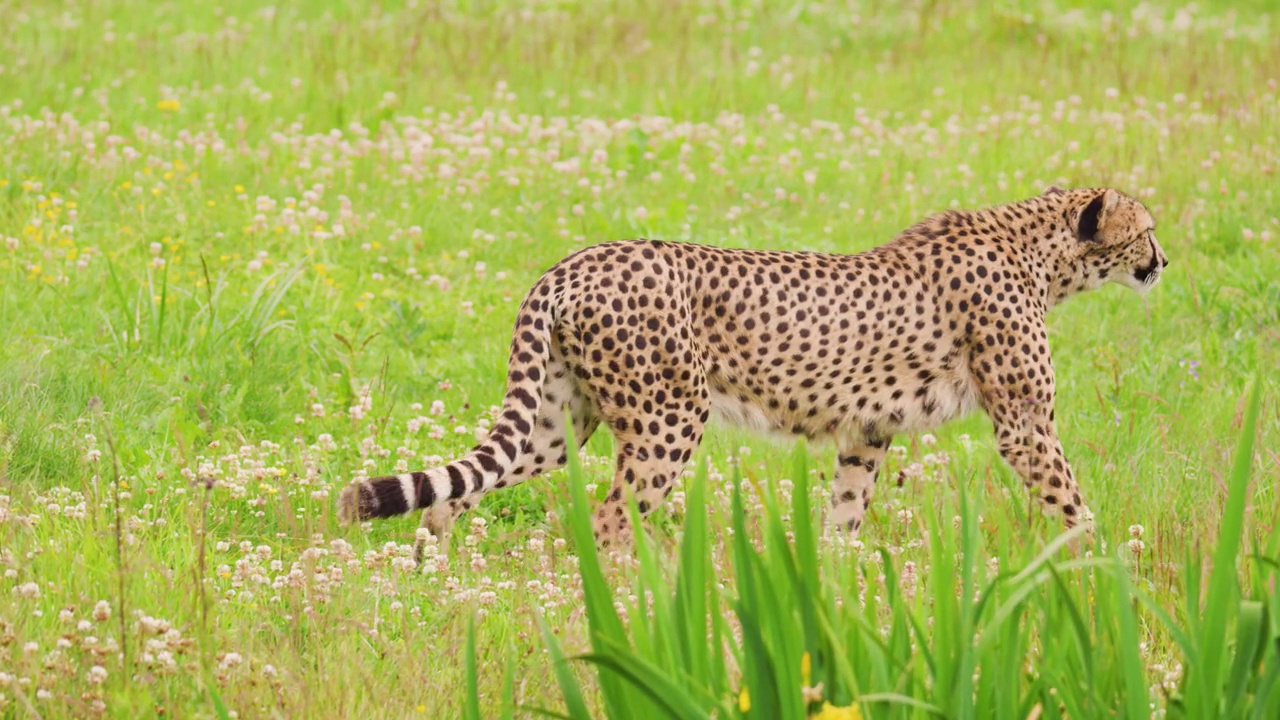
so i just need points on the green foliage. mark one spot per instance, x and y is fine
(966, 649)
(255, 246)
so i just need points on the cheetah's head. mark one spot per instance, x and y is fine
(1115, 238)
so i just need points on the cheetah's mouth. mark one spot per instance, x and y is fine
(1149, 274)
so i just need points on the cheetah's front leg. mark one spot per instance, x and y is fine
(1037, 456)
(1019, 398)
(1029, 442)
(856, 472)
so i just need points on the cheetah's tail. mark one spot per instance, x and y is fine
(486, 464)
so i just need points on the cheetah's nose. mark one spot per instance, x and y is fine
(1164, 262)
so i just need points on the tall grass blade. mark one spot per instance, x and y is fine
(691, 610)
(1133, 676)
(509, 687)
(473, 690)
(758, 672)
(656, 683)
(1251, 641)
(1207, 679)
(602, 617)
(570, 689)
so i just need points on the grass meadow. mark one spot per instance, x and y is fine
(249, 253)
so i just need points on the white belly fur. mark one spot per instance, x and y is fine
(951, 399)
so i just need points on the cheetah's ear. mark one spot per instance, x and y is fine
(1053, 190)
(1094, 215)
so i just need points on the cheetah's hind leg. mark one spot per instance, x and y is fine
(857, 469)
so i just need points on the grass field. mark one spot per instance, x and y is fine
(249, 253)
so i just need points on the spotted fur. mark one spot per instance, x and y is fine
(650, 337)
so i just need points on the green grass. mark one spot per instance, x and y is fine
(958, 651)
(185, 331)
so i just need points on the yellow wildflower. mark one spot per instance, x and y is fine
(744, 700)
(831, 712)
(806, 666)
(168, 105)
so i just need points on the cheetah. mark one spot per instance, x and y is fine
(651, 337)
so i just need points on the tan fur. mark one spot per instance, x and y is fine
(650, 337)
